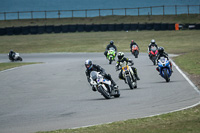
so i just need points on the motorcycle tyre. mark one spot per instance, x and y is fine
(19, 58)
(110, 60)
(104, 93)
(166, 76)
(136, 54)
(129, 82)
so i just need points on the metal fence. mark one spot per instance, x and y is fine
(152, 10)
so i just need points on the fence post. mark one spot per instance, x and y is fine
(59, 14)
(4, 15)
(86, 13)
(125, 11)
(18, 15)
(188, 9)
(151, 10)
(31, 14)
(138, 11)
(113, 13)
(99, 12)
(45, 12)
(163, 10)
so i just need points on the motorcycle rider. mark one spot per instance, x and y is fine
(161, 53)
(93, 67)
(111, 45)
(153, 43)
(133, 43)
(11, 55)
(121, 59)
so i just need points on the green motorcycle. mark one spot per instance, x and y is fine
(111, 55)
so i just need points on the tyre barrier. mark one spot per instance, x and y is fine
(33, 29)
(150, 26)
(25, 30)
(96, 27)
(81, 28)
(57, 29)
(93, 27)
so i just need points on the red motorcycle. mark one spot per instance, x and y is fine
(135, 51)
(153, 54)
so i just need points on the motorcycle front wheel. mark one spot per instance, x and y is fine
(166, 75)
(105, 93)
(129, 82)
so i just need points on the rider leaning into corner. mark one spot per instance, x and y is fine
(133, 43)
(93, 67)
(153, 43)
(11, 55)
(162, 53)
(120, 61)
(111, 45)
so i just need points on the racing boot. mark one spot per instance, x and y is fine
(137, 76)
(93, 88)
(135, 73)
(157, 69)
(114, 84)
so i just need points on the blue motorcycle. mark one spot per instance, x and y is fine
(164, 68)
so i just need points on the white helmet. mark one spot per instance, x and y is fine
(153, 41)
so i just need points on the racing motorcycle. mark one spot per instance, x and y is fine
(111, 55)
(153, 54)
(103, 85)
(15, 57)
(135, 51)
(164, 68)
(128, 75)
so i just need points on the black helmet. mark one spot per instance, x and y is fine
(120, 55)
(160, 50)
(111, 42)
(88, 64)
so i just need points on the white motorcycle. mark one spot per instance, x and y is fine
(103, 85)
(15, 57)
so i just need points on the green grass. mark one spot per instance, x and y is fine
(4, 66)
(182, 19)
(189, 62)
(173, 41)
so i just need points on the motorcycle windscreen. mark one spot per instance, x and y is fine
(93, 75)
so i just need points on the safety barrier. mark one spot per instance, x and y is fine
(94, 27)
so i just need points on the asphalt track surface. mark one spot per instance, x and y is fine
(56, 95)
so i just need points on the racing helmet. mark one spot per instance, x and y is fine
(132, 41)
(160, 50)
(120, 55)
(88, 64)
(153, 41)
(111, 42)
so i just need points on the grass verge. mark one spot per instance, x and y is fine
(4, 66)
